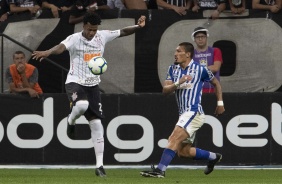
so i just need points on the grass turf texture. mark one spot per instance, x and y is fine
(124, 176)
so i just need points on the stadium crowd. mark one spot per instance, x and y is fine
(19, 10)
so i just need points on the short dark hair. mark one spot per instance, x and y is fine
(188, 47)
(92, 18)
(18, 52)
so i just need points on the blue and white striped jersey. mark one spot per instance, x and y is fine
(189, 94)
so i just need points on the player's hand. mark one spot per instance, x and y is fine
(141, 21)
(219, 110)
(185, 78)
(39, 55)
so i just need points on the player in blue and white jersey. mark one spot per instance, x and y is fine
(82, 86)
(186, 77)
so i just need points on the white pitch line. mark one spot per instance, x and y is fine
(254, 167)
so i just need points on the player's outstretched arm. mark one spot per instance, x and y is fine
(39, 55)
(218, 92)
(131, 29)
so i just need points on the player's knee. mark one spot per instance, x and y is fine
(82, 106)
(97, 129)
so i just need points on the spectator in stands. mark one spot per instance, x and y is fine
(135, 4)
(217, 5)
(273, 6)
(116, 4)
(237, 6)
(179, 6)
(151, 4)
(80, 7)
(206, 55)
(22, 77)
(4, 10)
(20, 7)
(57, 6)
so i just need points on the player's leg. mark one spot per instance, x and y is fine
(94, 114)
(174, 142)
(79, 105)
(177, 136)
(97, 135)
(187, 151)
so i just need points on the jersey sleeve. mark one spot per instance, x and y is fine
(207, 74)
(68, 42)
(169, 73)
(217, 55)
(110, 35)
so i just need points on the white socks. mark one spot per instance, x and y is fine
(96, 127)
(79, 109)
(97, 134)
(212, 156)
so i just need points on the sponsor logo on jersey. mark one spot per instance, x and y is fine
(91, 80)
(74, 96)
(88, 56)
(168, 76)
(186, 85)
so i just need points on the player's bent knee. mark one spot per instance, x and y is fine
(82, 105)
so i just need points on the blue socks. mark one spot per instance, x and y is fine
(202, 154)
(167, 156)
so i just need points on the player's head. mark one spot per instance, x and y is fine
(199, 36)
(184, 52)
(91, 21)
(92, 18)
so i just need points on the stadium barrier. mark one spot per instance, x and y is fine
(33, 131)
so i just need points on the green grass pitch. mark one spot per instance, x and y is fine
(128, 176)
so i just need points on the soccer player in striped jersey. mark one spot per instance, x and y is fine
(82, 86)
(186, 77)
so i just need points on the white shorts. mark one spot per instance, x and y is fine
(191, 121)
